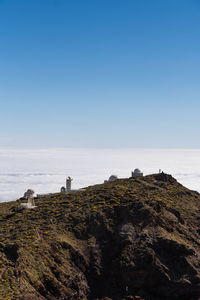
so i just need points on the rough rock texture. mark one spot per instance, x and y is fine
(128, 239)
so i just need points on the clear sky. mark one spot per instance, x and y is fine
(100, 73)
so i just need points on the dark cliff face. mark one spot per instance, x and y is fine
(128, 239)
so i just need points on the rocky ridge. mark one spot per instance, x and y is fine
(136, 238)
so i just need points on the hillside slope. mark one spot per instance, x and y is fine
(127, 239)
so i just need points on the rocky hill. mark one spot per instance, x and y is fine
(127, 239)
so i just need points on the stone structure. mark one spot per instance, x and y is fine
(136, 173)
(68, 188)
(29, 195)
(68, 184)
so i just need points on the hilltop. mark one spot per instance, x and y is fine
(136, 238)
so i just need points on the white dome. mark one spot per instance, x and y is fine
(62, 189)
(113, 178)
(29, 193)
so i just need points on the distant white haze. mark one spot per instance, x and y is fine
(45, 170)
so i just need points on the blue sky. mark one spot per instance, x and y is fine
(104, 73)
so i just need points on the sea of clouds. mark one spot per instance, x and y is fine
(45, 170)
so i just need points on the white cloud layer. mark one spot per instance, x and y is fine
(45, 170)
